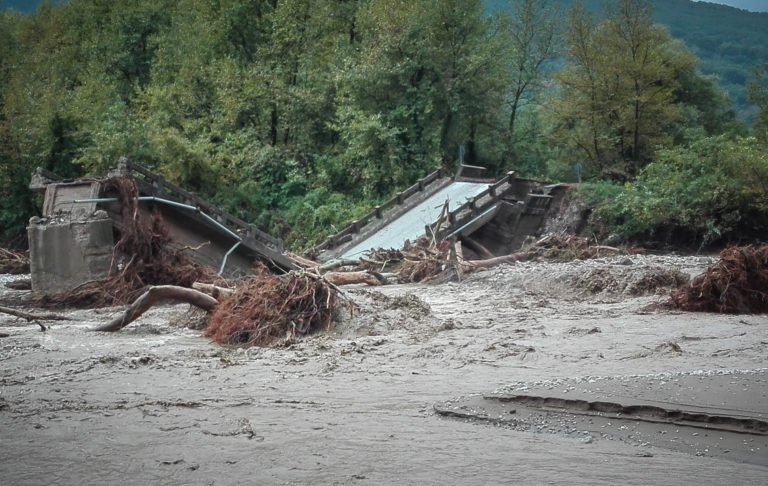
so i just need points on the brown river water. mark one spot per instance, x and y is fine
(157, 403)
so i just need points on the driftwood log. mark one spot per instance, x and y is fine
(155, 295)
(491, 262)
(213, 290)
(300, 260)
(475, 246)
(347, 278)
(33, 317)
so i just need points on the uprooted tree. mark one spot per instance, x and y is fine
(141, 257)
(736, 284)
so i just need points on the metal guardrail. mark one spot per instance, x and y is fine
(468, 211)
(231, 222)
(377, 213)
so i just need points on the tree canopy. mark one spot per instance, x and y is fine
(298, 115)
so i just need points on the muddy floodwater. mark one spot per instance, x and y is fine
(157, 403)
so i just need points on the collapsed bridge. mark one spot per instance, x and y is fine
(491, 218)
(73, 241)
(81, 220)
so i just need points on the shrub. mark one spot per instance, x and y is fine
(712, 191)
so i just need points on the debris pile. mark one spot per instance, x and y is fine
(570, 247)
(142, 257)
(420, 262)
(429, 261)
(13, 263)
(269, 308)
(737, 284)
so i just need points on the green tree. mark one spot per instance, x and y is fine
(619, 88)
(712, 191)
(427, 80)
(39, 64)
(758, 94)
(532, 30)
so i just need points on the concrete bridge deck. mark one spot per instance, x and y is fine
(411, 225)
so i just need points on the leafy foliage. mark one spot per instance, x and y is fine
(298, 115)
(618, 90)
(713, 191)
(758, 94)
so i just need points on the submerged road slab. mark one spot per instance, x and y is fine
(410, 226)
(706, 413)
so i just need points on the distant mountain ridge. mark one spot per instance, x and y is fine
(25, 6)
(727, 41)
(751, 5)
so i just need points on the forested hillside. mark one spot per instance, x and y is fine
(298, 115)
(24, 6)
(751, 5)
(727, 41)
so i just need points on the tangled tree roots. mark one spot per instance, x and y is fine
(737, 284)
(429, 261)
(269, 308)
(13, 263)
(417, 262)
(142, 257)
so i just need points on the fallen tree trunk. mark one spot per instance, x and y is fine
(154, 295)
(300, 260)
(213, 290)
(477, 247)
(492, 262)
(344, 262)
(347, 278)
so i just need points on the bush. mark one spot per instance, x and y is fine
(712, 191)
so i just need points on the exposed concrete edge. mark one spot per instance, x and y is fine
(638, 410)
(374, 227)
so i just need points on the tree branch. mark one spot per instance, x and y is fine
(154, 295)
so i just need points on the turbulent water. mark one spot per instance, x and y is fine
(159, 403)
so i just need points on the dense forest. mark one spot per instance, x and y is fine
(298, 115)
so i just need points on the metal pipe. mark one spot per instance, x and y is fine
(234, 235)
(97, 200)
(164, 201)
(142, 198)
(470, 222)
(226, 256)
(178, 205)
(168, 202)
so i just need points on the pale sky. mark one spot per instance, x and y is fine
(751, 5)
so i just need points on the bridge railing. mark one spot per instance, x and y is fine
(234, 223)
(473, 208)
(378, 212)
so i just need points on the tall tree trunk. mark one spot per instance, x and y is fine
(273, 120)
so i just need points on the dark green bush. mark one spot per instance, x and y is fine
(712, 191)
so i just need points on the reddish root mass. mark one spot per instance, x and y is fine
(269, 308)
(737, 284)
